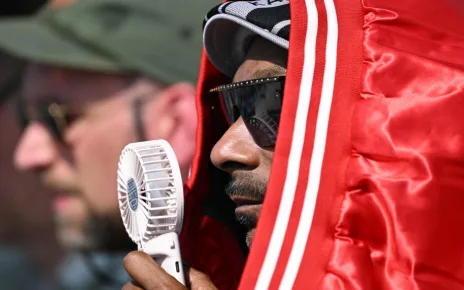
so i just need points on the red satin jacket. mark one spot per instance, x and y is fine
(367, 185)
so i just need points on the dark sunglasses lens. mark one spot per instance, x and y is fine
(21, 112)
(229, 105)
(260, 106)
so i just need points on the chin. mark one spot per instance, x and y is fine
(96, 233)
(73, 239)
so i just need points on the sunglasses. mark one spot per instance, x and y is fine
(258, 102)
(54, 116)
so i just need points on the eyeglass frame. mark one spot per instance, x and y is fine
(61, 114)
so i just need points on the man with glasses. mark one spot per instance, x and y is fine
(28, 248)
(255, 59)
(101, 74)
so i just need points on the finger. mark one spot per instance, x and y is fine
(199, 280)
(131, 286)
(147, 273)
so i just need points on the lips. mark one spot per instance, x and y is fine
(62, 201)
(242, 200)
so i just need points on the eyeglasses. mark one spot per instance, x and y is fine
(54, 116)
(57, 117)
(258, 102)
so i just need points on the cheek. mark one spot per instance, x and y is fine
(96, 156)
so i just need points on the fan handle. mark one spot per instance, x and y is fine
(165, 250)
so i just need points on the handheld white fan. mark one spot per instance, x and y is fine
(151, 200)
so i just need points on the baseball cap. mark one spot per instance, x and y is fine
(230, 27)
(156, 38)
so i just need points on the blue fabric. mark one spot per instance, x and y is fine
(75, 274)
(18, 271)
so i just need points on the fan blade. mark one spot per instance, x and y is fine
(162, 207)
(166, 198)
(163, 217)
(138, 168)
(155, 162)
(145, 211)
(159, 179)
(158, 170)
(161, 226)
(152, 154)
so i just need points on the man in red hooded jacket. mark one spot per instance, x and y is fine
(366, 188)
(247, 41)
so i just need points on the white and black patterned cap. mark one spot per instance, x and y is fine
(230, 27)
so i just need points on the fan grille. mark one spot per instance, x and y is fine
(150, 195)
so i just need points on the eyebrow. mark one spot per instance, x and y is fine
(269, 72)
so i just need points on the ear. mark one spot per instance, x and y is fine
(172, 116)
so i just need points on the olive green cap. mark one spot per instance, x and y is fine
(161, 39)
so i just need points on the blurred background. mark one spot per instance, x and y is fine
(29, 252)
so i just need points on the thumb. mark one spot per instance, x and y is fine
(147, 273)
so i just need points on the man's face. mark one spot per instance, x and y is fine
(236, 152)
(80, 168)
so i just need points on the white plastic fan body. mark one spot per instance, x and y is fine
(151, 200)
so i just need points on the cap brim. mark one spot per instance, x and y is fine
(32, 40)
(226, 39)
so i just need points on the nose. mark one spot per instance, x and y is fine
(36, 149)
(236, 149)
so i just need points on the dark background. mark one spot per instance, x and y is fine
(19, 7)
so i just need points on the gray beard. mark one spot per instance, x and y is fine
(105, 233)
